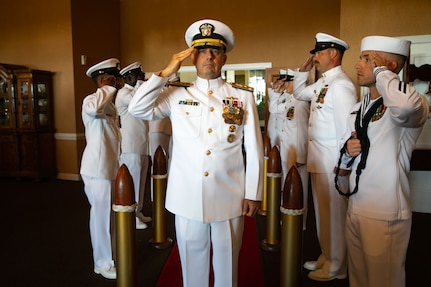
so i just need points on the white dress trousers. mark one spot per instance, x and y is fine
(195, 239)
(98, 192)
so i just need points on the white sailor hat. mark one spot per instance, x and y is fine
(208, 32)
(134, 68)
(386, 44)
(109, 66)
(325, 41)
(286, 75)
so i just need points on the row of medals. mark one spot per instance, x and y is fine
(233, 114)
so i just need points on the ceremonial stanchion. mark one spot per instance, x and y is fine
(274, 175)
(266, 148)
(124, 207)
(291, 230)
(160, 239)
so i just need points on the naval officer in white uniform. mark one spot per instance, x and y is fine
(134, 138)
(215, 175)
(331, 98)
(100, 160)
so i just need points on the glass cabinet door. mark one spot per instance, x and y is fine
(6, 104)
(42, 96)
(24, 104)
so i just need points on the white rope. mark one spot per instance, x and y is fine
(124, 208)
(291, 211)
(273, 174)
(159, 176)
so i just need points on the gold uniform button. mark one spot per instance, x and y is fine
(310, 140)
(231, 138)
(206, 173)
(210, 92)
(211, 109)
(187, 113)
(210, 130)
(208, 152)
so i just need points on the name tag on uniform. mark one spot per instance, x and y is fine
(188, 102)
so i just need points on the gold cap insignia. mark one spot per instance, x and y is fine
(206, 29)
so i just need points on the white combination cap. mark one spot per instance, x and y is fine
(325, 41)
(288, 75)
(110, 67)
(135, 67)
(386, 44)
(208, 32)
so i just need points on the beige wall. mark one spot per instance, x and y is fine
(36, 37)
(380, 17)
(281, 32)
(96, 35)
(53, 34)
(39, 37)
(44, 35)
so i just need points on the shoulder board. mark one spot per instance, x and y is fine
(242, 87)
(179, 84)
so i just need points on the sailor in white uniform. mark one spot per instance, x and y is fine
(100, 160)
(215, 174)
(134, 138)
(381, 136)
(292, 116)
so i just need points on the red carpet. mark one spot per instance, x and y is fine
(249, 270)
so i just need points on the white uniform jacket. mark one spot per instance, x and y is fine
(331, 100)
(102, 134)
(276, 116)
(293, 115)
(208, 175)
(134, 131)
(383, 190)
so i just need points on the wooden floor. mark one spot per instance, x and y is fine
(45, 240)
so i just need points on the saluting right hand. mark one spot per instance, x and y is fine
(175, 63)
(308, 64)
(278, 86)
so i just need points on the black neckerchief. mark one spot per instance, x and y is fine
(361, 134)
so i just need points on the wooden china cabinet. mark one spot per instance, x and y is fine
(27, 144)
